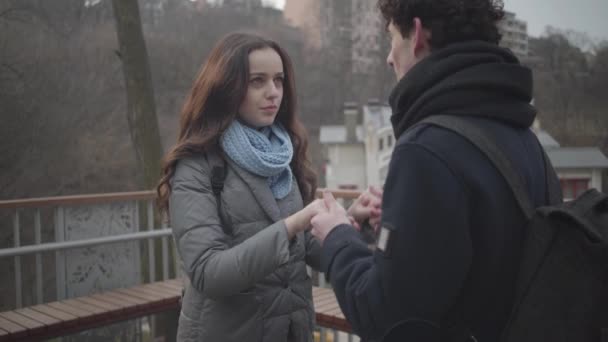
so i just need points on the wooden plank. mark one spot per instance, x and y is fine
(158, 292)
(137, 294)
(322, 295)
(161, 299)
(177, 284)
(175, 289)
(112, 300)
(60, 315)
(101, 304)
(30, 324)
(324, 321)
(161, 287)
(40, 317)
(154, 288)
(327, 308)
(133, 302)
(319, 291)
(12, 328)
(333, 317)
(79, 313)
(336, 312)
(325, 302)
(324, 308)
(85, 306)
(333, 323)
(176, 281)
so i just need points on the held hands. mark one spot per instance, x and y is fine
(325, 221)
(326, 214)
(300, 221)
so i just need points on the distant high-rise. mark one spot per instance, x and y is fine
(305, 15)
(514, 34)
(367, 32)
(353, 26)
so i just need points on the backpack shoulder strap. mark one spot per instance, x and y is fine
(219, 170)
(484, 143)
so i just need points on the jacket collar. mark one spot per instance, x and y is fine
(260, 189)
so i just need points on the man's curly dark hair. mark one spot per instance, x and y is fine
(449, 21)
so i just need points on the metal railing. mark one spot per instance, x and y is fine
(58, 206)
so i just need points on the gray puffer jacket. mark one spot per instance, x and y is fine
(251, 285)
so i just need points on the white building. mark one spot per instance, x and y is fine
(344, 150)
(514, 34)
(358, 155)
(578, 168)
(247, 5)
(379, 142)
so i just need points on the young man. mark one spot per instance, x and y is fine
(451, 238)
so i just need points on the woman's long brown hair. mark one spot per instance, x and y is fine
(213, 103)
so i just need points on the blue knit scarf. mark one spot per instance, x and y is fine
(266, 152)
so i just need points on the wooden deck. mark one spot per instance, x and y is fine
(70, 316)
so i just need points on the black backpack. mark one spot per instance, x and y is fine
(562, 286)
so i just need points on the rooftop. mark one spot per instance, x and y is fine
(577, 157)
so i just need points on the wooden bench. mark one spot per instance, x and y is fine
(70, 316)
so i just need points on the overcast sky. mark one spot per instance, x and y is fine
(582, 15)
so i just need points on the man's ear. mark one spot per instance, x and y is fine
(420, 39)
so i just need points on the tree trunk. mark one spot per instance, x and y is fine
(143, 123)
(141, 110)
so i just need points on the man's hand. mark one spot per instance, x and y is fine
(300, 221)
(323, 223)
(367, 206)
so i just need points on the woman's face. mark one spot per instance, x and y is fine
(265, 88)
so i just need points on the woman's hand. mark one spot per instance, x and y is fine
(300, 221)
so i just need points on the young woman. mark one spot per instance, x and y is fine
(235, 188)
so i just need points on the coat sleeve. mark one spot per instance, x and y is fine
(313, 251)
(414, 279)
(213, 268)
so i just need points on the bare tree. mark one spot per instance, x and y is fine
(568, 83)
(141, 109)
